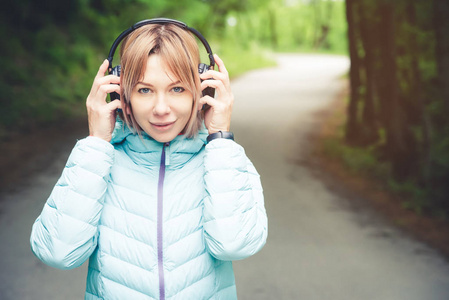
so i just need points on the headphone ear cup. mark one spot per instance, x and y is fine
(207, 91)
(115, 71)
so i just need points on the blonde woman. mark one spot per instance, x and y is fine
(161, 200)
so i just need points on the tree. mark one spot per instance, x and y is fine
(352, 126)
(399, 101)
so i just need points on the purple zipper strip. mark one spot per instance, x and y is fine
(160, 220)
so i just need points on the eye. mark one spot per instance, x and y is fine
(178, 89)
(143, 91)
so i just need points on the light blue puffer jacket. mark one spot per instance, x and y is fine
(157, 221)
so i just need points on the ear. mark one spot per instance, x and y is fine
(126, 106)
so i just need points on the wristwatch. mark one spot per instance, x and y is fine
(220, 135)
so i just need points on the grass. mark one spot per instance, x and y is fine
(359, 171)
(239, 60)
(364, 161)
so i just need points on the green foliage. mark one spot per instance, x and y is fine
(54, 48)
(241, 59)
(400, 79)
(417, 198)
(292, 26)
(358, 160)
(365, 161)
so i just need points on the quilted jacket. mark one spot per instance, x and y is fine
(156, 221)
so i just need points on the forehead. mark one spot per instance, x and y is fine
(157, 70)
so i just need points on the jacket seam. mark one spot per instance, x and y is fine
(202, 253)
(188, 211)
(129, 212)
(132, 238)
(75, 164)
(69, 216)
(183, 237)
(131, 189)
(140, 292)
(203, 277)
(144, 167)
(129, 263)
(244, 171)
(232, 216)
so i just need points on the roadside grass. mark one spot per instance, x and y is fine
(364, 161)
(369, 182)
(311, 50)
(239, 59)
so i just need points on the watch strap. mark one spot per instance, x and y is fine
(220, 135)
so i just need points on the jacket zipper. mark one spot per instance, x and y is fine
(160, 220)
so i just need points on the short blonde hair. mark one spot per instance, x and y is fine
(178, 50)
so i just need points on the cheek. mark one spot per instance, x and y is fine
(140, 106)
(188, 107)
(185, 107)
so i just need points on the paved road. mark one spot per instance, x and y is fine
(318, 247)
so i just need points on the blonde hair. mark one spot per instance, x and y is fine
(178, 50)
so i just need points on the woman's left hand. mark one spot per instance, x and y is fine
(218, 116)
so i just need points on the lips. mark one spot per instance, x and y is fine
(162, 126)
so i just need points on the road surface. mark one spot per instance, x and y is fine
(318, 247)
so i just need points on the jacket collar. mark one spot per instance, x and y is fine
(144, 150)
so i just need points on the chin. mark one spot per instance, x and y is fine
(164, 138)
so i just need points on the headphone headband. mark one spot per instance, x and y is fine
(160, 21)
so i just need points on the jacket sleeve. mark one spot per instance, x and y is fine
(65, 234)
(235, 219)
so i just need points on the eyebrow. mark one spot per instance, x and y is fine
(149, 84)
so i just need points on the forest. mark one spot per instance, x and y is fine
(396, 126)
(399, 100)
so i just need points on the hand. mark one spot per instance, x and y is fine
(101, 115)
(218, 116)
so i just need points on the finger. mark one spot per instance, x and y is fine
(114, 105)
(102, 69)
(206, 100)
(108, 79)
(220, 64)
(100, 81)
(216, 84)
(100, 74)
(109, 88)
(213, 74)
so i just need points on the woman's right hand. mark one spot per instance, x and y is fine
(101, 115)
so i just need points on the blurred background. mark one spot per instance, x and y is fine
(61, 43)
(396, 123)
(392, 123)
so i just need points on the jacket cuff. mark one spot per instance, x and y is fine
(224, 154)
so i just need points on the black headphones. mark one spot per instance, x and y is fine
(201, 67)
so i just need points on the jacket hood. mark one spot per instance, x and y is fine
(144, 150)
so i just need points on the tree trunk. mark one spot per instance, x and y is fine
(352, 125)
(317, 12)
(417, 96)
(441, 25)
(396, 146)
(324, 26)
(368, 38)
(273, 32)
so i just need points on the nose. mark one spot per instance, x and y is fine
(161, 107)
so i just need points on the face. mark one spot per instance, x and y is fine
(160, 103)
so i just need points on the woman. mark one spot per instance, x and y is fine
(158, 209)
